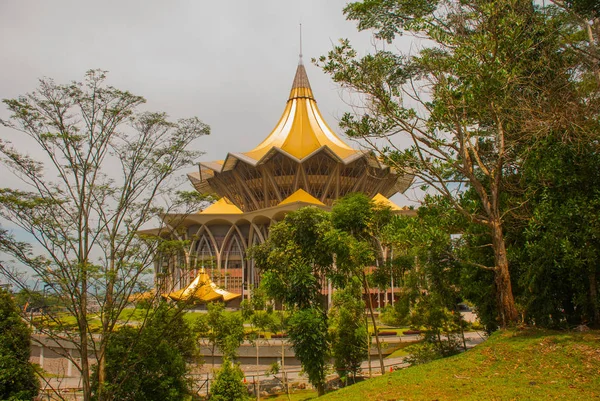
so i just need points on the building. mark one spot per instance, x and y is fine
(301, 162)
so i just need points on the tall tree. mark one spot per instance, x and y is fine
(102, 169)
(348, 330)
(18, 380)
(295, 261)
(467, 102)
(356, 241)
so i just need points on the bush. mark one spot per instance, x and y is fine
(18, 380)
(149, 363)
(422, 353)
(390, 317)
(228, 384)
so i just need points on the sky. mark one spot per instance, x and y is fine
(229, 63)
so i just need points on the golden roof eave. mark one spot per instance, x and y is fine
(233, 158)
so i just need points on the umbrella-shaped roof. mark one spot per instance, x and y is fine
(203, 289)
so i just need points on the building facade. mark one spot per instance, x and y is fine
(301, 162)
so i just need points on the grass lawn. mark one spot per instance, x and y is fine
(511, 365)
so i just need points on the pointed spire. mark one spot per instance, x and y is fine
(301, 79)
(300, 60)
(301, 85)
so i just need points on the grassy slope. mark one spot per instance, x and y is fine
(511, 365)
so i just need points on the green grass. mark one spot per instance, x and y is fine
(399, 349)
(511, 365)
(300, 395)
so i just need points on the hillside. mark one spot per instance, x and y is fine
(519, 365)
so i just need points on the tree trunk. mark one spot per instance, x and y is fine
(320, 389)
(594, 51)
(366, 286)
(368, 347)
(107, 310)
(83, 340)
(257, 371)
(506, 301)
(101, 371)
(462, 329)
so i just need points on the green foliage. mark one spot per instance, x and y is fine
(491, 81)
(585, 8)
(423, 352)
(18, 380)
(309, 337)
(296, 257)
(228, 384)
(223, 330)
(558, 247)
(348, 331)
(149, 363)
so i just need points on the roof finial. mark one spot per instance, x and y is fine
(300, 61)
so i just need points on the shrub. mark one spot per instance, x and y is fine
(149, 363)
(17, 377)
(228, 384)
(422, 353)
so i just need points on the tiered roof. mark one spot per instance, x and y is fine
(301, 152)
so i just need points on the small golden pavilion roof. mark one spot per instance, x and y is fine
(222, 206)
(301, 196)
(202, 289)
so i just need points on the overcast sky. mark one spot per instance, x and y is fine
(229, 63)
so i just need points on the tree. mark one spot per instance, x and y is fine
(261, 319)
(104, 170)
(557, 246)
(469, 103)
(308, 334)
(228, 383)
(294, 261)
(431, 286)
(348, 331)
(356, 240)
(18, 380)
(222, 330)
(149, 362)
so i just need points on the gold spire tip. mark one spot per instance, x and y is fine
(300, 60)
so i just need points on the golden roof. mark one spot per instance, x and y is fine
(301, 196)
(202, 289)
(301, 130)
(383, 201)
(222, 206)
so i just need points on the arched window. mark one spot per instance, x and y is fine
(204, 255)
(231, 275)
